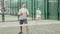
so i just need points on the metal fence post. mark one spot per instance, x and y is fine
(2, 9)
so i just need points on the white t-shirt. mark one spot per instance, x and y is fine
(38, 13)
(24, 13)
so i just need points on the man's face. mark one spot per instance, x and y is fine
(24, 5)
(38, 8)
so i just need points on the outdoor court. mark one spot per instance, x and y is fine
(35, 27)
(49, 13)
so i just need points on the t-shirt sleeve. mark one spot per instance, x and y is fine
(20, 11)
(27, 10)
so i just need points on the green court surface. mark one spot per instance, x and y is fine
(34, 29)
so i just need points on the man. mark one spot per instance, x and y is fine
(23, 13)
(38, 14)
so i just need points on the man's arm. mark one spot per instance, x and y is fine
(19, 13)
(27, 13)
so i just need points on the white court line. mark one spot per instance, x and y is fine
(5, 26)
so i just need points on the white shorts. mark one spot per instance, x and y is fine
(38, 16)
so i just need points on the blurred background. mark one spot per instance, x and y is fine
(50, 16)
(50, 9)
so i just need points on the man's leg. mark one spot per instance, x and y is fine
(39, 18)
(21, 22)
(20, 28)
(27, 29)
(26, 25)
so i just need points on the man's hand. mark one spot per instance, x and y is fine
(27, 13)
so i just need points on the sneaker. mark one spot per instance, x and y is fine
(20, 33)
